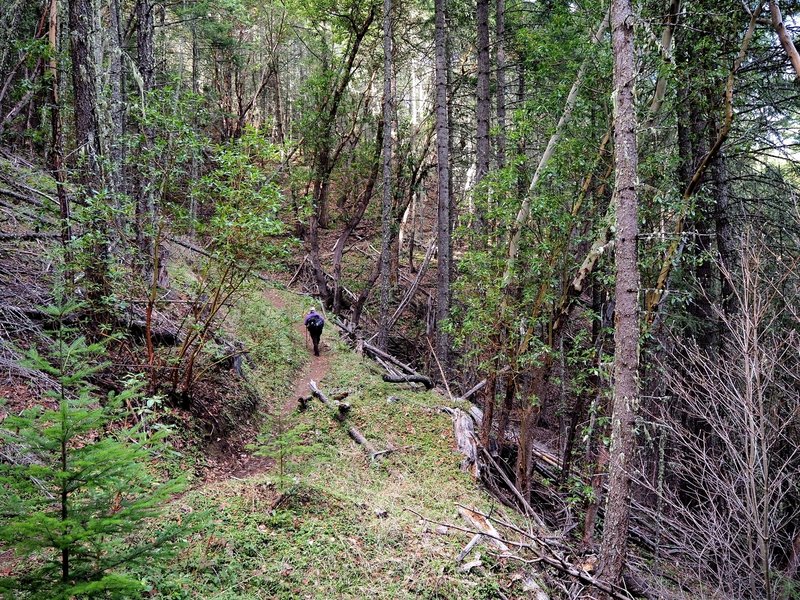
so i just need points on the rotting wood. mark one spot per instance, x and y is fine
(27, 236)
(480, 385)
(529, 512)
(468, 548)
(466, 440)
(554, 557)
(352, 431)
(426, 381)
(389, 368)
(476, 388)
(299, 271)
(375, 351)
(414, 285)
(22, 197)
(482, 524)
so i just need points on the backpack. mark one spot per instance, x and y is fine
(316, 322)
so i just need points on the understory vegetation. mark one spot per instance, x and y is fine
(556, 246)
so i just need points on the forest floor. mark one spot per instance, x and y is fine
(293, 506)
(299, 511)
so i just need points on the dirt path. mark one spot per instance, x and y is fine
(240, 464)
(316, 369)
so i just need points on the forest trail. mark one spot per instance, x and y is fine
(317, 368)
(243, 464)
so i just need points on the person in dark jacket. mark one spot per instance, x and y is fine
(314, 324)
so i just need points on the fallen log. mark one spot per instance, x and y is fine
(482, 524)
(341, 413)
(547, 554)
(528, 509)
(27, 236)
(409, 379)
(18, 196)
(481, 384)
(389, 368)
(375, 351)
(468, 548)
(466, 441)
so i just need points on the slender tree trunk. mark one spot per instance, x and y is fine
(278, 110)
(386, 212)
(355, 219)
(117, 106)
(500, 22)
(443, 171)
(483, 106)
(724, 233)
(57, 149)
(325, 161)
(488, 408)
(655, 293)
(626, 335)
(784, 37)
(510, 385)
(65, 572)
(525, 210)
(521, 170)
(660, 92)
(145, 202)
(193, 165)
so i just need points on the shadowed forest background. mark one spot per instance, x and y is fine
(577, 222)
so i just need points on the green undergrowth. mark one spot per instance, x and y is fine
(274, 349)
(337, 525)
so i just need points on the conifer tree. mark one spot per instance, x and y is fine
(77, 495)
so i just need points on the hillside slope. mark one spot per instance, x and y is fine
(321, 520)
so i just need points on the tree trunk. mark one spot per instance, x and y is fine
(443, 172)
(525, 210)
(117, 107)
(194, 171)
(500, 19)
(57, 147)
(488, 408)
(510, 385)
(626, 334)
(278, 110)
(325, 161)
(87, 138)
(145, 202)
(386, 213)
(352, 223)
(724, 233)
(483, 105)
(784, 37)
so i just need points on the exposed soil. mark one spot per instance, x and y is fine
(228, 458)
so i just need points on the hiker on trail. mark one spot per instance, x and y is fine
(314, 324)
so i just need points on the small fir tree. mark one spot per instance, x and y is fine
(285, 444)
(78, 498)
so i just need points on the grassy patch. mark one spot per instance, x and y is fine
(275, 349)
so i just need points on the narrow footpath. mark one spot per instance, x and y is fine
(242, 464)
